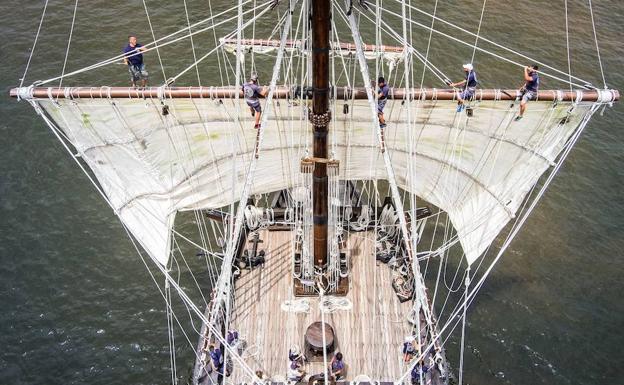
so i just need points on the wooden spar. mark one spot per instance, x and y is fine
(298, 44)
(319, 118)
(341, 93)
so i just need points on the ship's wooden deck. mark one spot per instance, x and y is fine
(370, 336)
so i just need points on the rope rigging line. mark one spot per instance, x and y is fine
(32, 50)
(55, 131)
(515, 222)
(584, 82)
(418, 301)
(410, 163)
(435, 9)
(71, 32)
(162, 294)
(387, 161)
(591, 12)
(203, 318)
(177, 247)
(390, 31)
(463, 332)
(567, 33)
(170, 334)
(116, 58)
(149, 21)
(568, 147)
(188, 23)
(223, 41)
(580, 128)
(222, 287)
(60, 135)
(474, 49)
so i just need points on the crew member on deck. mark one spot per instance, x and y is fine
(260, 376)
(136, 67)
(295, 355)
(530, 87)
(410, 348)
(216, 358)
(252, 92)
(337, 367)
(232, 337)
(295, 373)
(382, 98)
(420, 370)
(469, 84)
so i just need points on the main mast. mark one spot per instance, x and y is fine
(320, 118)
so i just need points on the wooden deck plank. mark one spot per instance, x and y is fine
(370, 336)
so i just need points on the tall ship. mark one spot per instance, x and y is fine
(345, 210)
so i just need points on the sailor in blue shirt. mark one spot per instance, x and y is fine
(252, 91)
(217, 359)
(382, 98)
(337, 366)
(410, 348)
(469, 84)
(530, 87)
(420, 370)
(134, 59)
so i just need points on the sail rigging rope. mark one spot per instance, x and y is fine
(32, 50)
(567, 34)
(177, 247)
(532, 203)
(149, 21)
(386, 157)
(493, 53)
(591, 12)
(170, 332)
(542, 141)
(71, 32)
(182, 329)
(223, 41)
(514, 52)
(463, 332)
(55, 130)
(188, 23)
(117, 210)
(568, 147)
(474, 49)
(433, 20)
(116, 58)
(223, 288)
(388, 29)
(521, 221)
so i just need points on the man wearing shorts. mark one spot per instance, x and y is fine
(469, 84)
(134, 59)
(530, 87)
(252, 92)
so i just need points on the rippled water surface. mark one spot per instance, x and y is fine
(78, 305)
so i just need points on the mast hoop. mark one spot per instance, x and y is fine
(319, 120)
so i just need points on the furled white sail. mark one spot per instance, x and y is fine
(152, 164)
(392, 55)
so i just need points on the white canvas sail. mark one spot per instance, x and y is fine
(151, 165)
